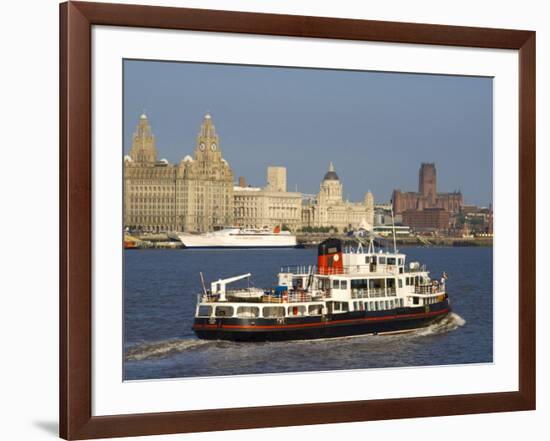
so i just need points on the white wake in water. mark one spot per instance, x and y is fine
(164, 349)
(161, 349)
(449, 323)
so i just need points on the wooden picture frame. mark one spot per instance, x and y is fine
(76, 21)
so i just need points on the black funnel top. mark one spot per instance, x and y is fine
(329, 246)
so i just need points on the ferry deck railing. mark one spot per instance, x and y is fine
(305, 270)
(268, 297)
(372, 293)
(432, 288)
(419, 269)
(299, 296)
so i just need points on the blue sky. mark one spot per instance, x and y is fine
(377, 127)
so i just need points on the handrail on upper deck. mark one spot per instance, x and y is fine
(302, 270)
(436, 288)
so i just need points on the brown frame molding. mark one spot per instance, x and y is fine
(76, 20)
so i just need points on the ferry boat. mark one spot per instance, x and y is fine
(240, 238)
(352, 291)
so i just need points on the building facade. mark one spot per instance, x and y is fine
(276, 178)
(329, 209)
(198, 194)
(427, 195)
(195, 195)
(149, 184)
(205, 184)
(428, 219)
(269, 206)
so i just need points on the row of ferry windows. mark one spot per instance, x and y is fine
(383, 260)
(370, 283)
(298, 310)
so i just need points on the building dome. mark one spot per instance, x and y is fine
(331, 174)
(188, 159)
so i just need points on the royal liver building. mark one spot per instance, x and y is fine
(194, 195)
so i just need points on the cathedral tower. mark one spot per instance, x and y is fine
(427, 185)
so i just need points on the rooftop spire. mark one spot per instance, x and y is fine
(207, 127)
(143, 142)
(331, 174)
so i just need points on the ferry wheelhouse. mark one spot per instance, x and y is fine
(351, 291)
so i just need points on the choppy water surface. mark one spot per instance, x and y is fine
(160, 296)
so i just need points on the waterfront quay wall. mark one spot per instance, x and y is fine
(165, 240)
(313, 239)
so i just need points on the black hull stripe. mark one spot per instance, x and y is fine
(394, 317)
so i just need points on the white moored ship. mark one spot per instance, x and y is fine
(239, 238)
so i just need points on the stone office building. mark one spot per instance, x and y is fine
(269, 206)
(194, 195)
(329, 209)
(198, 194)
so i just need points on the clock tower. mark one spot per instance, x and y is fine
(208, 142)
(206, 184)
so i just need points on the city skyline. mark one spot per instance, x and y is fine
(251, 140)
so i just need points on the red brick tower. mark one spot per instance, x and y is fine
(427, 184)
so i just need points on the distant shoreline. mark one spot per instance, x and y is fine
(310, 240)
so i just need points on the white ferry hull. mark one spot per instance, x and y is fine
(237, 240)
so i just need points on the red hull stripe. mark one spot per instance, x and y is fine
(332, 322)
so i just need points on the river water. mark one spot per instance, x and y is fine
(160, 297)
